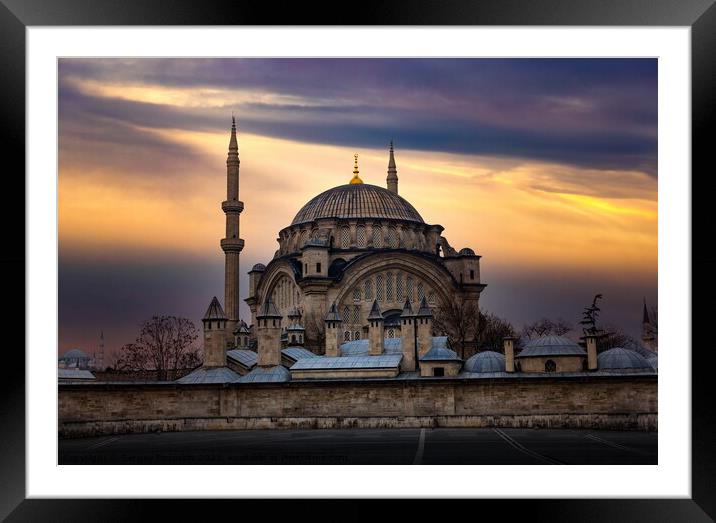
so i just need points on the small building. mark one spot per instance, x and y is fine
(551, 354)
(440, 359)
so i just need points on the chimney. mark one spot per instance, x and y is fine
(333, 331)
(591, 351)
(409, 338)
(509, 346)
(375, 330)
(269, 335)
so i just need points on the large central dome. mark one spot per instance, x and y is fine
(359, 200)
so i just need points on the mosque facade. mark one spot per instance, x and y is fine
(352, 292)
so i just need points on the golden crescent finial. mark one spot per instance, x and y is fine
(356, 178)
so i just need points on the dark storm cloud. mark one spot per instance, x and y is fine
(599, 113)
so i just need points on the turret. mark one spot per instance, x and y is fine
(295, 333)
(375, 330)
(269, 335)
(214, 335)
(424, 326)
(242, 333)
(392, 179)
(409, 338)
(333, 331)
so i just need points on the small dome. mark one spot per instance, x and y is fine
(620, 358)
(467, 251)
(551, 346)
(259, 267)
(357, 200)
(654, 362)
(486, 361)
(74, 353)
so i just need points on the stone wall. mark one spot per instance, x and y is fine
(589, 402)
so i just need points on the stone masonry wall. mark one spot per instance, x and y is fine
(589, 402)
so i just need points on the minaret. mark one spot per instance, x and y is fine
(232, 244)
(392, 178)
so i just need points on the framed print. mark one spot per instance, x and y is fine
(559, 139)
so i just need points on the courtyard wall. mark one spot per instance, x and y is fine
(596, 402)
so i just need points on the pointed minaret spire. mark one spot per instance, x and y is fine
(233, 144)
(646, 319)
(356, 178)
(392, 178)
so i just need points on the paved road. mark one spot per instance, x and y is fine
(368, 446)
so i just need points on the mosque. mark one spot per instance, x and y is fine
(352, 292)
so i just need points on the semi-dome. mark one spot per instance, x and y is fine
(620, 358)
(551, 346)
(357, 200)
(485, 361)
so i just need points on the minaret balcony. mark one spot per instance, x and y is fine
(232, 244)
(232, 206)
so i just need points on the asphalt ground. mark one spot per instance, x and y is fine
(444, 446)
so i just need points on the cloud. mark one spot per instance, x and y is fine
(590, 113)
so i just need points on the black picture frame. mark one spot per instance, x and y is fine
(699, 15)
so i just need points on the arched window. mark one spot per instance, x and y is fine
(314, 234)
(389, 287)
(345, 237)
(392, 238)
(360, 237)
(346, 314)
(347, 336)
(356, 335)
(356, 314)
(379, 288)
(431, 297)
(550, 366)
(377, 238)
(356, 294)
(399, 287)
(409, 288)
(421, 292)
(303, 239)
(368, 289)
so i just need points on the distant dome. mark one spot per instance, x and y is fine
(620, 358)
(74, 354)
(359, 200)
(551, 346)
(259, 267)
(467, 251)
(654, 362)
(486, 361)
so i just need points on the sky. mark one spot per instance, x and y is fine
(547, 168)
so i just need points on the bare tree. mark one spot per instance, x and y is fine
(164, 344)
(546, 327)
(459, 320)
(492, 331)
(611, 337)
